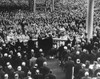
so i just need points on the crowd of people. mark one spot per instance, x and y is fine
(23, 57)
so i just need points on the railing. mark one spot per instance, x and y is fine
(58, 41)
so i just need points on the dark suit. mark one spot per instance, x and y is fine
(25, 69)
(50, 76)
(44, 70)
(32, 61)
(31, 44)
(68, 69)
(40, 61)
(10, 72)
(2, 73)
(76, 70)
(21, 74)
(33, 71)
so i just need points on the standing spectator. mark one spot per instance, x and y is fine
(69, 68)
(25, 68)
(81, 72)
(41, 60)
(33, 70)
(44, 69)
(32, 61)
(77, 68)
(18, 59)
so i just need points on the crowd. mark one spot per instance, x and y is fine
(21, 57)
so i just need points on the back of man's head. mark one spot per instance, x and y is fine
(45, 64)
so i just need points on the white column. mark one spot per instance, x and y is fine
(90, 14)
(34, 5)
(53, 5)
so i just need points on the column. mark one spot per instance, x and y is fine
(34, 6)
(90, 14)
(53, 5)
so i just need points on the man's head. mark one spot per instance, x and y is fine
(29, 73)
(44, 63)
(8, 63)
(42, 54)
(32, 50)
(6, 76)
(5, 55)
(83, 66)
(98, 74)
(9, 66)
(19, 54)
(37, 71)
(98, 59)
(69, 58)
(77, 52)
(11, 52)
(65, 48)
(1, 67)
(40, 50)
(16, 76)
(86, 74)
(10, 56)
(23, 64)
(19, 68)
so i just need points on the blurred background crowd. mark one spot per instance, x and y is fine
(26, 42)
